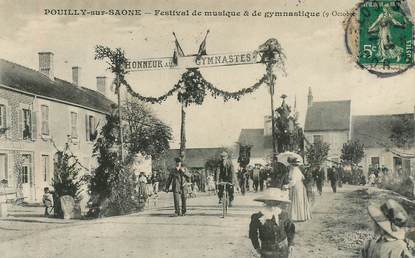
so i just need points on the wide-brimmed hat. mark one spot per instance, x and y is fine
(224, 154)
(391, 217)
(274, 195)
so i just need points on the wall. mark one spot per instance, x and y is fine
(59, 130)
(336, 139)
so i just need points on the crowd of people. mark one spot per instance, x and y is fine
(272, 229)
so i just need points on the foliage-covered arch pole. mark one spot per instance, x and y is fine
(273, 56)
(192, 87)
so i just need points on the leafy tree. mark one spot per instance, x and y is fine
(112, 184)
(317, 153)
(402, 134)
(67, 180)
(352, 152)
(145, 133)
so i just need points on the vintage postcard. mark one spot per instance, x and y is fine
(179, 128)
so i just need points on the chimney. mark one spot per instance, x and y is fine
(102, 85)
(46, 64)
(267, 125)
(310, 98)
(76, 75)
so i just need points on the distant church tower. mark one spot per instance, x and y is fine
(310, 98)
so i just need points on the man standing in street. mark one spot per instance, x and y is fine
(243, 178)
(333, 176)
(256, 176)
(225, 173)
(319, 178)
(340, 175)
(177, 179)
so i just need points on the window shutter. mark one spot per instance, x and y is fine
(34, 125)
(8, 122)
(86, 128)
(20, 123)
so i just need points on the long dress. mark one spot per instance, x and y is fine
(300, 207)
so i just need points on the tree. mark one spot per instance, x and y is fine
(67, 180)
(145, 134)
(111, 184)
(352, 152)
(403, 132)
(317, 153)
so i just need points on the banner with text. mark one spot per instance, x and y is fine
(148, 64)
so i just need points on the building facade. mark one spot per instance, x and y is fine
(39, 115)
(374, 132)
(329, 122)
(332, 122)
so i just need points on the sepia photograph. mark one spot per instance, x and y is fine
(189, 128)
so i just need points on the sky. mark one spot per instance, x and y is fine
(315, 50)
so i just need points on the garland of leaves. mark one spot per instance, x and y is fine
(151, 100)
(191, 87)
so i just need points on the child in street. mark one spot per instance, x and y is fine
(271, 230)
(47, 200)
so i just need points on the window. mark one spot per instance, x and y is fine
(45, 119)
(45, 167)
(74, 125)
(317, 138)
(91, 133)
(26, 168)
(2, 116)
(3, 166)
(27, 124)
(374, 161)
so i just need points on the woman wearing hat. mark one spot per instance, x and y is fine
(300, 207)
(271, 231)
(389, 221)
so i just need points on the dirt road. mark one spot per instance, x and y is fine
(153, 233)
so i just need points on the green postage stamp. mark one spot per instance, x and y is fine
(383, 36)
(386, 34)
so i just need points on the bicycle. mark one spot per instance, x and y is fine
(225, 198)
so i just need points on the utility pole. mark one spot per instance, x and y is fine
(117, 85)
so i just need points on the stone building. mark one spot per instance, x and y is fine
(330, 122)
(374, 132)
(39, 114)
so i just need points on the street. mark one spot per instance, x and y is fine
(337, 219)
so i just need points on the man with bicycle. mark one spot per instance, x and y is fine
(225, 173)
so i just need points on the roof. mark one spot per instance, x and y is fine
(195, 157)
(328, 116)
(28, 80)
(261, 144)
(375, 131)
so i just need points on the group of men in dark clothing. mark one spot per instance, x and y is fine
(316, 175)
(257, 174)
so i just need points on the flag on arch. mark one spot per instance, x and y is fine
(178, 51)
(202, 47)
